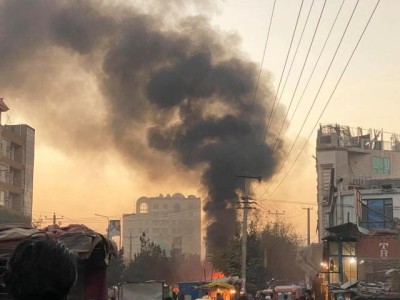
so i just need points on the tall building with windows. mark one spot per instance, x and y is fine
(17, 144)
(173, 222)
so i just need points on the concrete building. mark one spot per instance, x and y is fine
(173, 222)
(349, 158)
(17, 144)
(358, 202)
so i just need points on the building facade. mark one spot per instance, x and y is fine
(173, 222)
(348, 159)
(358, 192)
(17, 145)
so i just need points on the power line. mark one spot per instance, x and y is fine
(330, 97)
(315, 98)
(301, 73)
(263, 56)
(315, 66)
(280, 80)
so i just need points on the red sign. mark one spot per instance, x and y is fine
(378, 247)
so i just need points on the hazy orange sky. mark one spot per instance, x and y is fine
(80, 170)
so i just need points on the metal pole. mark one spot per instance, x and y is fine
(108, 224)
(246, 207)
(308, 225)
(244, 234)
(130, 246)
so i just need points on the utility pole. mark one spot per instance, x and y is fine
(54, 219)
(246, 207)
(108, 224)
(130, 246)
(277, 214)
(308, 224)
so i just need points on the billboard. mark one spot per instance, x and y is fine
(114, 228)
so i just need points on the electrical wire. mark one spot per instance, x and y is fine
(263, 56)
(330, 97)
(280, 80)
(315, 98)
(301, 73)
(315, 66)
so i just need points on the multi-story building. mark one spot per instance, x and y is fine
(358, 199)
(173, 222)
(349, 159)
(17, 144)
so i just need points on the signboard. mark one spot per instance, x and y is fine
(379, 247)
(114, 228)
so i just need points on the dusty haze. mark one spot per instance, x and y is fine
(170, 97)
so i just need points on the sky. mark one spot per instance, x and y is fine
(92, 156)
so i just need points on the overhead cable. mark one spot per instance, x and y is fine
(280, 80)
(330, 97)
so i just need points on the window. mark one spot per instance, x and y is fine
(2, 198)
(378, 213)
(381, 165)
(177, 207)
(3, 173)
(3, 147)
(144, 208)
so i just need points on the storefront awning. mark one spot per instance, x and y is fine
(345, 232)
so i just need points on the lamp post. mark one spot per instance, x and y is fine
(108, 224)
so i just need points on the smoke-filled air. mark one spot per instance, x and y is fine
(171, 93)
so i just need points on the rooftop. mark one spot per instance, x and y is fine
(338, 136)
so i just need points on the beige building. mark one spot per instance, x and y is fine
(349, 158)
(358, 203)
(173, 222)
(17, 144)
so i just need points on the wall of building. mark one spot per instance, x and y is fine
(173, 222)
(17, 144)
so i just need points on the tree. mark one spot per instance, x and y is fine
(271, 252)
(281, 244)
(115, 270)
(184, 267)
(151, 263)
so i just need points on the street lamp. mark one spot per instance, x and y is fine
(108, 224)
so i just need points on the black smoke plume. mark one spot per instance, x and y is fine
(173, 87)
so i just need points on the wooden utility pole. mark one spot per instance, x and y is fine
(308, 224)
(54, 219)
(245, 201)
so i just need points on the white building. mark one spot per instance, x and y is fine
(173, 222)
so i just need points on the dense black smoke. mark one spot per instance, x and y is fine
(182, 85)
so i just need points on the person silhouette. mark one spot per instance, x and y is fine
(40, 269)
